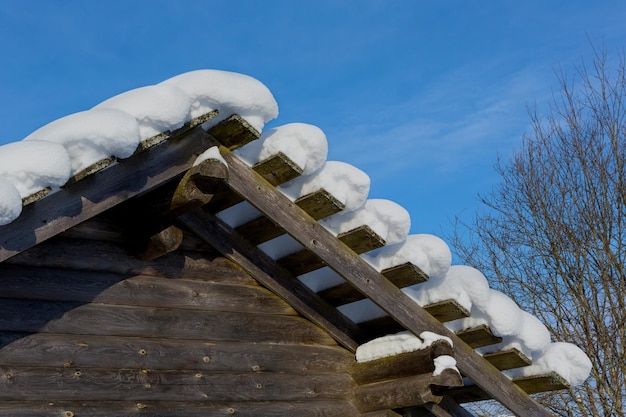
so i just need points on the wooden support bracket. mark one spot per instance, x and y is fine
(507, 359)
(198, 185)
(234, 132)
(277, 169)
(478, 336)
(530, 385)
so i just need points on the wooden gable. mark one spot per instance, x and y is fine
(126, 295)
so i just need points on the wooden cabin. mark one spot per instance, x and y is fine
(123, 294)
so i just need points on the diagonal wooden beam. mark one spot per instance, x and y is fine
(265, 270)
(387, 296)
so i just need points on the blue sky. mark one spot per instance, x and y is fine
(423, 96)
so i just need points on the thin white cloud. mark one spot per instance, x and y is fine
(461, 122)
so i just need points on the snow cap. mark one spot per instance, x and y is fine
(34, 165)
(229, 93)
(565, 359)
(304, 144)
(91, 136)
(343, 181)
(10, 202)
(431, 254)
(387, 219)
(157, 108)
(466, 285)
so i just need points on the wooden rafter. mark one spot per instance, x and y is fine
(371, 283)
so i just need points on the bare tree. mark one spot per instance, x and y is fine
(553, 232)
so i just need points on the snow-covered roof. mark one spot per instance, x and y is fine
(113, 130)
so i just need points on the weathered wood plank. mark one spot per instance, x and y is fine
(268, 273)
(92, 384)
(74, 318)
(115, 352)
(259, 230)
(277, 169)
(341, 294)
(404, 275)
(404, 392)
(47, 217)
(318, 205)
(234, 132)
(447, 310)
(541, 383)
(386, 295)
(311, 408)
(531, 385)
(91, 255)
(112, 226)
(146, 291)
(301, 262)
(478, 336)
(507, 359)
(360, 240)
(401, 276)
(399, 366)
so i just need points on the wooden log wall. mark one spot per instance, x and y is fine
(89, 329)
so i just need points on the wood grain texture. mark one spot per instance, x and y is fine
(313, 408)
(77, 318)
(479, 336)
(92, 384)
(91, 255)
(277, 169)
(401, 365)
(116, 352)
(108, 288)
(507, 359)
(234, 132)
